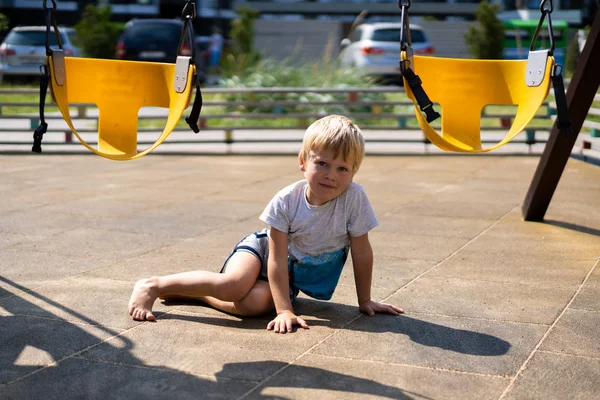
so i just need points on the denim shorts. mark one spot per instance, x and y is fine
(257, 243)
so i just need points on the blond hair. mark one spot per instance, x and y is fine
(337, 134)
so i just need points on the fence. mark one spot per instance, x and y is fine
(268, 120)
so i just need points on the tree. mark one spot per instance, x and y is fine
(486, 39)
(3, 22)
(242, 54)
(96, 35)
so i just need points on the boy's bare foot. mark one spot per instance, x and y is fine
(142, 299)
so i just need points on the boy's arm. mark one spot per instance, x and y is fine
(277, 268)
(362, 261)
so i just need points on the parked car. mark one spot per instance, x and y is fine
(376, 48)
(24, 49)
(155, 40)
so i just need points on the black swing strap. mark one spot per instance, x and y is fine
(413, 79)
(187, 15)
(562, 110)
(38, 134)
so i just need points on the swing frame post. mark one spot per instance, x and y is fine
(580, 95)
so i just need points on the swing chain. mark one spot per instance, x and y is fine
(546, 8)
(189, 10)
(563, 120)
(188, 14)
(51, 21)
(543, 6)
(405, 40)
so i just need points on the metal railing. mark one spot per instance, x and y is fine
(260, 117)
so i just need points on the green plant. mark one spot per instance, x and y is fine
(572, 54)
(486, 39)
(96, 34)
(291, 73)
(4, 23)
(241, 55)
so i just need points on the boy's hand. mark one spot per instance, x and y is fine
(371, 307)
(285, 321)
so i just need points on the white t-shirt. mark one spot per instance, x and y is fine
(319, 236)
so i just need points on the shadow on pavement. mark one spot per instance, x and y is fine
(328, 314)
(39, 358)
(573, 227)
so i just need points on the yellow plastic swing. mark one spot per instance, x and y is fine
(481, 82)
(119, 89)
(464, 87)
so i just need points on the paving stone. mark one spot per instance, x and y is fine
(459, 209)
(457, 344)
(575, 333)
(29, 343)
(83, 300)
(22, 271)
(319, 377)
(206, 345)
(480, 286)
(98, 244)
(502, 244)
(440, 226)
(95, 380)
(536, 270)
(484, 299)
(40, 222)
(389, 272)
(402, 245)
(8, 240)
(551, 376)
(587, 299)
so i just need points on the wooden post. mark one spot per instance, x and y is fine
(580, 95)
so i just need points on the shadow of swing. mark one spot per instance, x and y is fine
(56, 370)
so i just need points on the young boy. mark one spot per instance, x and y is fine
(314, 223)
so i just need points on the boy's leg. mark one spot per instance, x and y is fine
(257, 302)
(233, 285)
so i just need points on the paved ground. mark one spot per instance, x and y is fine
(495, 307)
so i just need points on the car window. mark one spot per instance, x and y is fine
(72, 35)
(152, 32)
(393, 35)
(30, 38)
(355, 37)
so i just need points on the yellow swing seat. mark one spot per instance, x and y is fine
(463, 87)
(119, 89)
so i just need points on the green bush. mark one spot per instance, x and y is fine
(241, 55)
(486, 40)
(572, 55)
(269, 73)
(4, 23)
(96, 34)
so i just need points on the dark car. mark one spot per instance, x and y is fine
(155, 40)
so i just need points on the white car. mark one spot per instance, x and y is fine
(24, 49)
(376, 48)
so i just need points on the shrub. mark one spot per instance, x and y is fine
(269, 73)
(96, 35)
(4, 23)
(242, 54)
(486, 40)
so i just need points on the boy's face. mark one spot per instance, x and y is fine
(327, 176)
